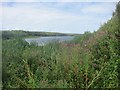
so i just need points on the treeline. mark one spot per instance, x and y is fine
(91, 60)
(21, 34)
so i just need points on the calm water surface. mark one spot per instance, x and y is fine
(45, 40)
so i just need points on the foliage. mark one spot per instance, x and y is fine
(89, 61)
(21, 34)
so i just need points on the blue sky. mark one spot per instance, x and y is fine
(67, 17)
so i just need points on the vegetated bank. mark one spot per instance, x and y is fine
(10, 34)
(91, 61)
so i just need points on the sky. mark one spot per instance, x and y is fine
(66, 16)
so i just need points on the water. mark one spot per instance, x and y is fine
(45, 40)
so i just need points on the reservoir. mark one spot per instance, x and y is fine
(45, 40)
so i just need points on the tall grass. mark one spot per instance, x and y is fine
(89, 61)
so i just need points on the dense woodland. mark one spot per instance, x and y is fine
(91, 60)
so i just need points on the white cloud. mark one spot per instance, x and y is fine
(1, 17)
(99, 8)
(59, 0)
(25, 13)
(33, 17)
(87, 0)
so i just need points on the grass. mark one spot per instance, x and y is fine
(89, 61)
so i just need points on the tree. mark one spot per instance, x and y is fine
(118, 11)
